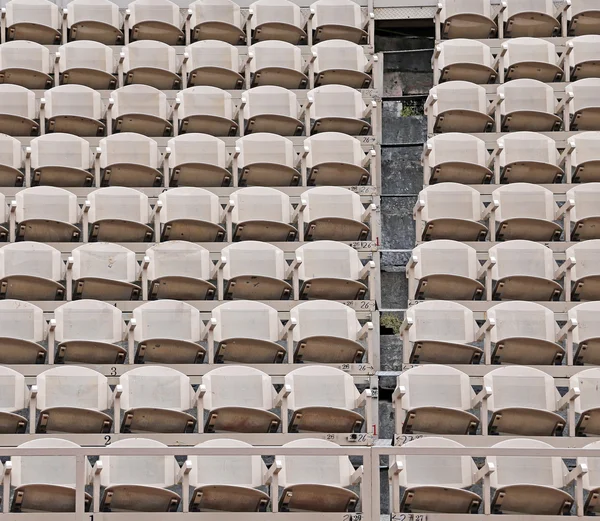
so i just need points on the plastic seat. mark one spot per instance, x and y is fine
(7, 225)
(87, 63)
(586, 336)
(88, 332)
(142, 109)
(265, 159)
(213, 63)
(31, 271)
(104, 271)
(585, 214)
(590, 481)
(271, 109)
(14, 397)
(47, 214)
(153, 63)
(277, 20)
(22, 331)
(74, 109)
(35, 20)
(26, 64)
(179, 270)
(167, 332)
(207, 110)
(217, 20)
(277, 63)
(139, 483)
(338, 108)
(523, 402)
(584, 59)
(585, 157)
(338, 19)
(530, 18)
(11, 161)
(587, 403)
(96, 20)
(467, 19)
(156, 20)
(531, 58)
(238, 399)
(584, 274)
(444, 270)
(339, 62)
(18, 111)
(466, 60)
(584, 108)
(584, 17)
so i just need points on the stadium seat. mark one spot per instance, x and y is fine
(339, 62)
(74, 109)
(271, 109)
(583, 17)
(586, 336)
(118, 214)
(140, 108)
(237, 399)
(179, 270)
(338, 108)
(31, 271)
(70, 399)
(585, 157)
(207, 110)
(584, 274)
(154, 399)
(11, 161)
(18, 111)
(584, 216)
(87, 63)
(338, 20)
(530, 18)
(529, 485)
(524, 333)
(46, 214)
(440, 332)
(324, 399)
(214, 63)
(444, 269)
(328, 332)
(167, 332)
(531, 58)
(523, 402)
(88, 332)
(138, 483)
(277, 20)
(217, 20)
(584, 107)
(584, 59)
(96, 20)
(35, 20)
(450, 211)
(155, 20)
(198, 160)
(153, 63)
(103, 271)
(277, 63)
(470, 19)
(23, 329)
(265, 159)
(590, 481)
(14, 392)
(466, 60)
(523, 270)
(587, 403)
(26, 64)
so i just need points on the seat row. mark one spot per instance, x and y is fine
(181, 270)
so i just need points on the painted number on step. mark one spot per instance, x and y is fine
(409, 517)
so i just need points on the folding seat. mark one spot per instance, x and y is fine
(14, 396)
(118, 214)
(531, 58)
(129, 159)
(87, 63)
(227, 483)
(432, 486)
(217, 20)
(47, 214)
(261, 214)
(324, 399)
(246, 332)
(237, 399)
(138, 483)
(586, 336)
(336, 159)
(525, 211)
(277, 20)
(470, 19)
(96, 20)
(340, 62)
(265, 159)
(277, 63)
(214, 63)
(528, 105)
(317, 483)
(191, 214)
(253, 270)
(528, 157)
(444, 269)
(591, 481)
(156, 20)
(338, 20)
(22, 331)
(11, 161)
(530, 485)
(31, 271)
(35, 20)
(153, 63)
(524, 270)
(584, 107)
(450, 211)
(524, 333)
(140, 108)
(74, 109)
(466, 60)
(523, 402)
(168, 332)
(26, 64)
(583, 276)
(337, 108)
(459, 106)
(584, 216)
(88, 332)
(586, 404)
(198, 160)
(179, 270)
(70, 399)
(208, 110)
(530, 18)
(46, 483)
(103, 271)
(271, 109)
(440, 332)
(59, 159)
(456, 157)
(17, 111)
(585, 157)
(583, 17)
(584, 58)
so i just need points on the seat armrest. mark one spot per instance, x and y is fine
(481, 396)
(283, 394)
(572, 394)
